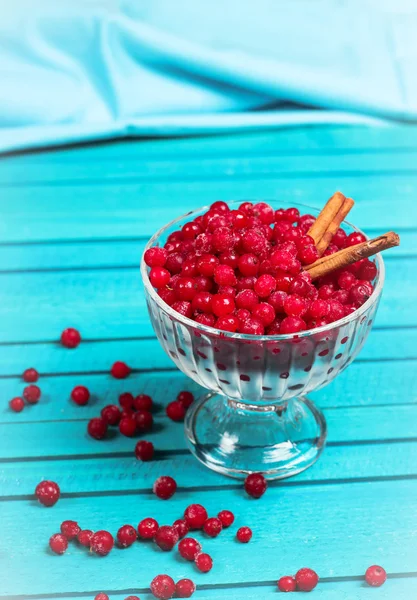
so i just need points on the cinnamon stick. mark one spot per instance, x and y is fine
(347, 256)
(325, 241)
(326, 216)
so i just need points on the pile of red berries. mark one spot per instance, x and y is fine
(242, 271)
(304, 580)
(31, 393)
(164, 587)
(100, 542)
(133, 416)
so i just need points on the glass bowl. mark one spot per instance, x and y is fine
(256, 417)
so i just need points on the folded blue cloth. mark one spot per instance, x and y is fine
(91, 69)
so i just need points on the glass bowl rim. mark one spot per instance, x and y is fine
(244, 336)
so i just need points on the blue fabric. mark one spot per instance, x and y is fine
(92, 69)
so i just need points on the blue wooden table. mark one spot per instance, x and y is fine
(72, 228)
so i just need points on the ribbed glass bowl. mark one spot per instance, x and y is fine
(256, 417)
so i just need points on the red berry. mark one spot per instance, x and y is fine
(111, 414)
(176, 411)
(181, 527)
(295, 306)
(212, 527)
(101, 596)
(244, 534)
(164, 487)
(17, 404)
(228, 323)
(319, 308)
(224, 275)
(184, 588)
(58, 543)
(251, 326)
(222, 304)
(31, 375)
(31, 394)
(84, 537)
(226, 517)
(186, 398)
(264, 312)
(253, 241)
(368, 270)
(202, 302)
(132, 598)
(163, 587)
(247, 299)
(101, 543)
(355, 238)
(159, 277)
(255, 485)
(70, 337)
(195, 515)
(155, 257)
(207, 264)
(80, 395)
(339, 238)
(143, 402)
(120, 370)
(127, 426)
(189, 548)
(248, 264)
(126, 536)
(144, 450)
(375, 576)
(147, 528)
(184, 308)
(126, 400)
(97, 428)
(287, 584)
(47, 492)
(306, 580)
(70, 529)
(265, 285)
(203, 562)
(144, 421)
(292, 325)
(346, 280)
(308, 254)
(166, 537)
(185, 289)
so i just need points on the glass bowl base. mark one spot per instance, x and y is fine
(235, 438)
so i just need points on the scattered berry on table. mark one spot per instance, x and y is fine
(212, 527)
(126, 400)
(126, 536)
(70, 337)
(144, 421)
(163, 587)
(255, 485)
(306, 580)
(176, 410)
(97, 428)
(70, 529)
(31, 394)
(180, 525)
(80, 395)
(47, 492)
(101, 596)
(189, 548)
(203, 562)
(111, 414)
(30, 375)
(244, 534)
(147, 528)
(17, 404)
(195, 516)
(120, 370)
(375, 576)
(166, 537)
(101, 542)
(132, 598)
(144, 450)
(165, 487)
(58, 543)
(226, 517)
(84, 537)
(184, 588)
(127, 426)
(142, 402)
(287, 584)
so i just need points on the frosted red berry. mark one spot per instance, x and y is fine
(147, 528)
(120, 370)
(155, 257)
(166, 537)
(144, 421)
(306, 580)
(47, 492)
(287, 584)
(255, 485)
(97, 428)
(226, 517)
(84, 537)
(126, 536)
(184, 588)
(203, 562)
(70, 337)
(101, 542)
(143, 402)
(164, 487)
(195, 515)
(144, 451)
(186, 398)
(189, 548)
(111, 414)
(181, 527)
(375, 576)
(244, 534)
(31, 375)
(265, 285)
(17, 404)
(163, 587)
(80, 395)
(212, 527)
(31, 394)
(175, 410)
(70, 529)
(292, 325)
(58, 543)
(127, 426)
(368, 270)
